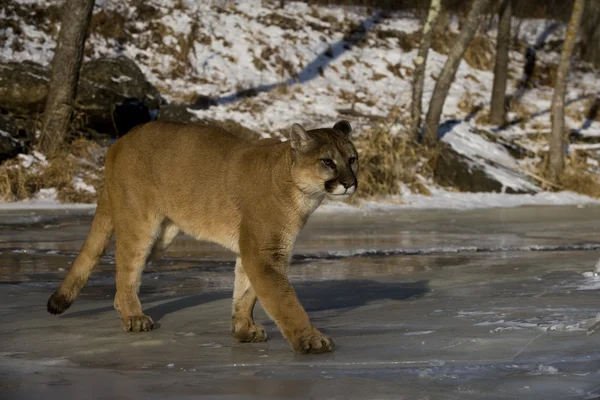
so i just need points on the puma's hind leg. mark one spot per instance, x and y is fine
(243, 327)
(134, 243)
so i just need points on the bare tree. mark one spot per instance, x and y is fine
(498, 105)
(66, 63)
(590, 27)
(442, 86)
(420, 64)
(557, 141)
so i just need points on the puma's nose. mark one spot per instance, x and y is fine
(348, 183)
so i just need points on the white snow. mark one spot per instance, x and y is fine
(442, 199)
(79, 184)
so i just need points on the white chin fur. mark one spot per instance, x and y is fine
(341, 192)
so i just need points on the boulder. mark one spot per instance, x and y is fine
(9, 145)
(23, 87)
(177, 112)
(202, 102)
(115, 96)
(459, 171)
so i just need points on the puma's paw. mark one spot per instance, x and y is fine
(249, 333)
(137, 323)
(315, 343)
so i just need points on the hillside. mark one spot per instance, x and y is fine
(263, 68)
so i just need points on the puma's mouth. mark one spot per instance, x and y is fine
(336, 189)
(347, 193)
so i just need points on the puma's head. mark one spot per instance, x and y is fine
(325, 161)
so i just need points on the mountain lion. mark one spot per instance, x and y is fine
(251, 197)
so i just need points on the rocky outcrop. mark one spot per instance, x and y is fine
(459, 171)
(23, 87)
(113, 94)
(10, 146)
(177, 112)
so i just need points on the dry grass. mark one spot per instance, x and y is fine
(386, 161)
(467, 104)
(577, 176)
(13, 181)
(522, 111)
(81, 158)
(581, 181)
(545, 74)
(480, 53)
(110, 25)
(483, 118)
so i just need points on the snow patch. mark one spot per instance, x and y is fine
(79, 184)
(443, 199)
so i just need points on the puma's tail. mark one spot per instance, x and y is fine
(93, 248)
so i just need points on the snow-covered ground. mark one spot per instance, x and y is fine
(316, 64)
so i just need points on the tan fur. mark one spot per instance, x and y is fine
(252, 198)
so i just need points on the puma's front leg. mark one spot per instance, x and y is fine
(243, 327)
(264, 264)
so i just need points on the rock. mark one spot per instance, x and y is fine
(115, 87)
(113, 94)
(177, 112)
(9, 146)
(201, 102)
(456, 170)
(129, 114)
(23, 87)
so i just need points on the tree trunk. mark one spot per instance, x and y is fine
(66, 62)
(590, 27)
(420, 63)
(498, 106)
(442, 86)
(557, 141)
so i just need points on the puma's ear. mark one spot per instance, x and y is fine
(298, 137)
(344, 127)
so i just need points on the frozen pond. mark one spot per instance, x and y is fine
(485, 304)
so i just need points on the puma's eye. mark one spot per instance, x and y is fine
(352, 160)
(328, 162)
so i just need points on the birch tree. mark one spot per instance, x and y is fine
(420, 64)
(498, 104)
(76, 15)
(442, 86)
(557, 140)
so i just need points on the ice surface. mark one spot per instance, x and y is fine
(454, 324)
